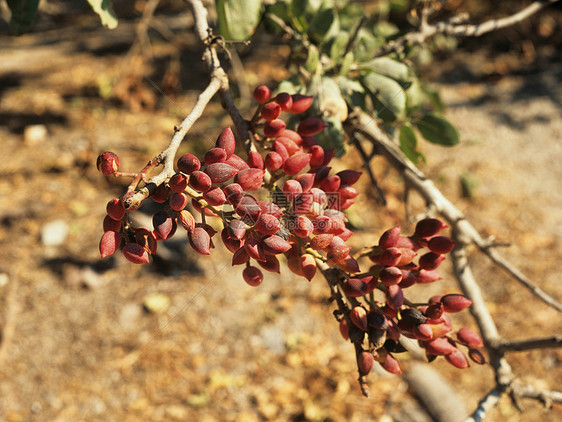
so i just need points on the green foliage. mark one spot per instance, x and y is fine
(437, 130)
(409, 144)
(23, 15)
(335, 48)
(238, 19)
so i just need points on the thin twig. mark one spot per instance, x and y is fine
(167, 156)
(529, 344)
(450, 27)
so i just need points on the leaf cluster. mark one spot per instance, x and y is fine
(334, 47)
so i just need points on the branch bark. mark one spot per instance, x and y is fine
(451, 27)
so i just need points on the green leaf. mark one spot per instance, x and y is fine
(337, 49)
(391, 68)
(305, 7)
(437, 130)
(389, 98)
(385, 29)
(365, 45)
(353, 92)
(103, 9)
(346, 63)
(312, 59)
(238, 18)
(23, 15)
(409, 143)
(332, 103)
(324, 25)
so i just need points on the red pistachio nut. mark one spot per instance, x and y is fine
(275, 245)
(357, 287)
(394, 296)
(115, 209)
(163, 225)
(308, 266)
(270, 111)
(240, 257)
(349, 177)
(252, 275)
(455, 303)
(178, 183)
(107, 163)
(311, 127)
(262, 94)
(109, 243)
(274, 128)
(109, 224)
(200, 181)
(200, 240)
(301, 103)
(160, 194)
(440, 244)
(231, 244)
(285, 100)
(389, 238)
(188, 163)
(233, 193)
(273, 161)
(270, 264)
(255, 160)
(428, 227)
(220, 172)
(146, 239)
(187, 220)
(237, 162)
(439, 347)
(178, 201)
(226, 141)
(215, 155)
(391, 365)
(296, 163)
(254, 248)
(267, 224)
(469, 338)
(430, 261)
(291, 146)
(306, 181)
(135, 253)
(250, 179)
(358, 316)
(215, 196)
(457, 359)
(365, 361)
(390, 276)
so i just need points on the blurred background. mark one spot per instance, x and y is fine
(184, 338)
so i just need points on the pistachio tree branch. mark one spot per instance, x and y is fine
(530, 344)
(464, 234)
(166, 157)
(453, 27)
(364, 124)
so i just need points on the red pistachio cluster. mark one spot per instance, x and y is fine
(284, 200)
(295, 210)
(376, 328)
